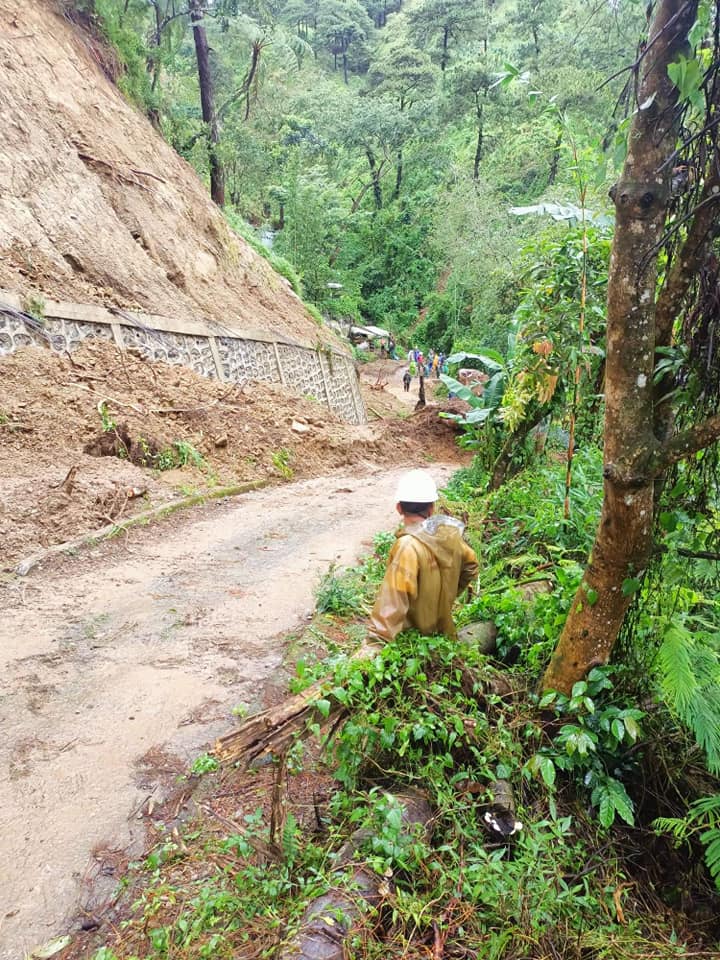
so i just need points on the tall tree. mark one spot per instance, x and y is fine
(378, 129)
(207, 100)
(471, 82)
(641, 439)
(342, 24)
(439, 25)
(166, 14)
(530, 16)
(404, 74)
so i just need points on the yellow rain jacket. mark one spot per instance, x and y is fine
(428, 566)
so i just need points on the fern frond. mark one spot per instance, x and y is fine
(711, 841)
(703, 717)
(677, 676)
(690, 681)
(676, 827)
(703, 821)
(707, 807)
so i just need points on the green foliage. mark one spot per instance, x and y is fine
(108, 423)
(281, 461)
(483, 422)
(280, 264)
(205, 763)
(180, 453)
(122, 27)
(689, 668)
(339, 595)
(594, 747)
(349, 592)
(702, 820)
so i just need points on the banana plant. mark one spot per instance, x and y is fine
(482, 408)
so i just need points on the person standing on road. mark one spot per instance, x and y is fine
(429, 565)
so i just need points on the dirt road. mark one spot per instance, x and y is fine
(118, 665)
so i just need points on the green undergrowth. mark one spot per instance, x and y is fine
(279, 263)
(604, 863)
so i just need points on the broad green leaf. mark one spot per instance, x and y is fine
(50, 948)
(633, 730)
(606, 810)
(547, 771)
(491, 359)
(621, 801)
(479, 415)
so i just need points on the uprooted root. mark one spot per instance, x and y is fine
(117, 442)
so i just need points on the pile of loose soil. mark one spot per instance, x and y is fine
(87, 439)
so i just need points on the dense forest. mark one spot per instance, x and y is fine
(385, 145)
(458, 172)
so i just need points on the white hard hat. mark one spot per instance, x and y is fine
(417, 486)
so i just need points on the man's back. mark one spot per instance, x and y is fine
(428, 566)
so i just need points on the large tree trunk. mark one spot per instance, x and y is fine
(479, 143)
(375, 174)
(398, 176)
(330, 920)
(623, 541)
(207, 101)
(154, 66)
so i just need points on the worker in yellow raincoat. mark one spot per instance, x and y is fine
(429, 565)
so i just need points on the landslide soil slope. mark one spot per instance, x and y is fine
(96, 207)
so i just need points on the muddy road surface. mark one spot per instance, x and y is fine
(119, 665)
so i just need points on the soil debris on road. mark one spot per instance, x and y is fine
(93, 438)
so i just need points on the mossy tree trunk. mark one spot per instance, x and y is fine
(635, 453)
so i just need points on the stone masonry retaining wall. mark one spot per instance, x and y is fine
(218, 352)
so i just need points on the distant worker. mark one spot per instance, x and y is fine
(407, 377)
(436, 365)
(429, 565)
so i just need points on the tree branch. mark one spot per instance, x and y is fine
(244, 88)
(690, 258)
(686, 443)
(699, 554)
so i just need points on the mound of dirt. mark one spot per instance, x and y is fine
(97, 208)
(92, 438)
